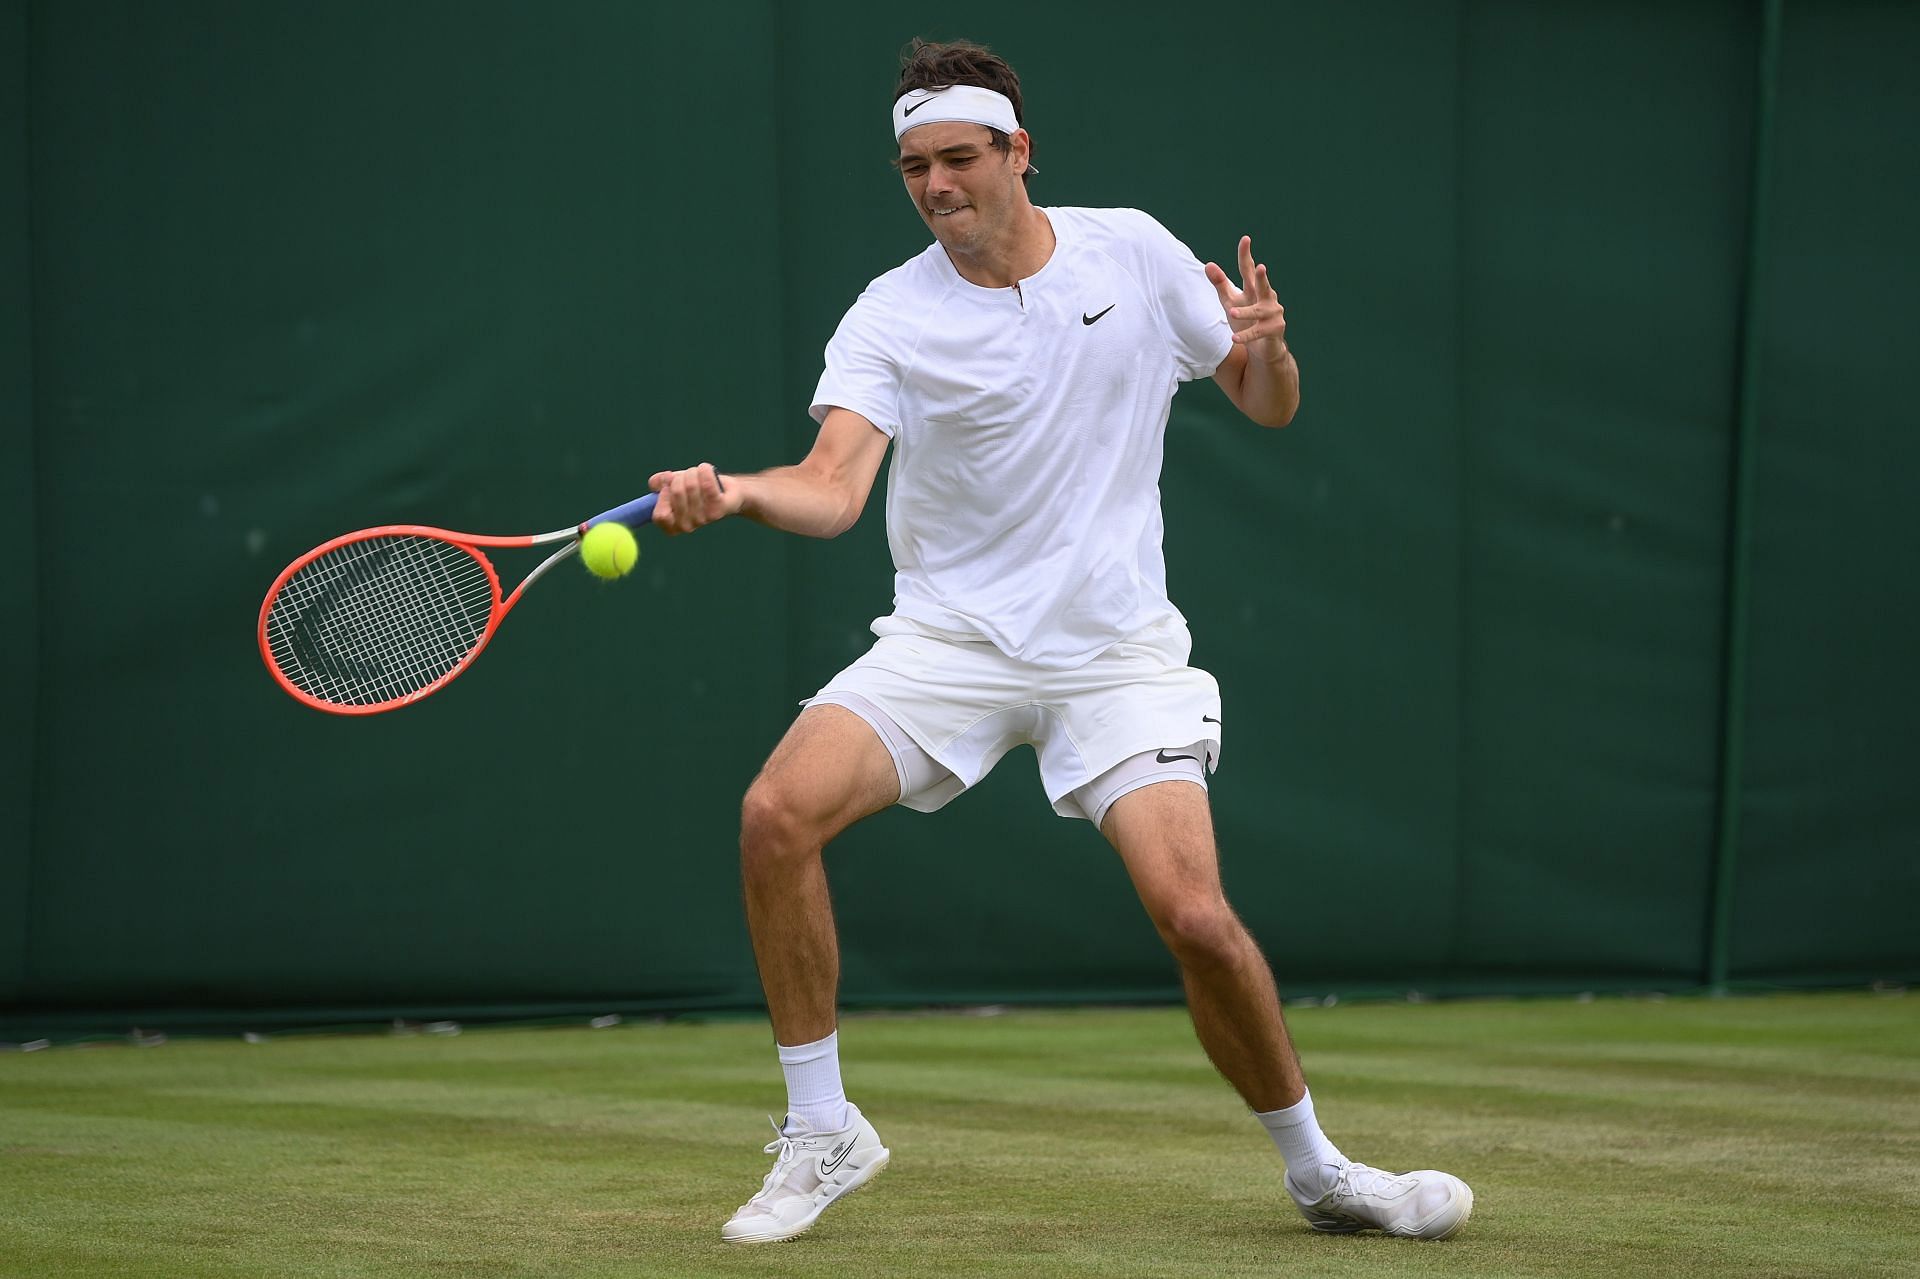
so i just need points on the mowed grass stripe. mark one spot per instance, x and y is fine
(1767, 1136)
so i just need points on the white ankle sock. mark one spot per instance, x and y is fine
(1311, 1158)
(816, 1100)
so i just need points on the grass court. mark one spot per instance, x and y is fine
(1750, 1136)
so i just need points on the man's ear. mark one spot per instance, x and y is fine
(1022, 150)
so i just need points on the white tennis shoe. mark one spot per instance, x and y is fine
(810, 1171)
(1413, 1205)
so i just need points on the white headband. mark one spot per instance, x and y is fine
(961, 103)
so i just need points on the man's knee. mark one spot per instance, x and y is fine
(1202, 931)
(773, 829)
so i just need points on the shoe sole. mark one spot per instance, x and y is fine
(864, 1176)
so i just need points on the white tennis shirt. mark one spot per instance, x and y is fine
(1023, 500)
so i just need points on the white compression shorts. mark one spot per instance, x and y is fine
(948, 709)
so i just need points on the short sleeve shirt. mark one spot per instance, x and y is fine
(1023, 502)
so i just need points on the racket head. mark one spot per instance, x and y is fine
(380, 618)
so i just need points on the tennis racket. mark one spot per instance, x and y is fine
(378, 619)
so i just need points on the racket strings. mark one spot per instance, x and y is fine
(378, 620)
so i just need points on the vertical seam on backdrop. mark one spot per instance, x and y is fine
(1723, 854)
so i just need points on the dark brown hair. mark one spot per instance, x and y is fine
(929, 64)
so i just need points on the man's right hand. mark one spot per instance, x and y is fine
(692, 498)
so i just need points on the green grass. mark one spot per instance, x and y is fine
(1767, 1136)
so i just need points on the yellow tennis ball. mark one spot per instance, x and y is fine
(608, 550)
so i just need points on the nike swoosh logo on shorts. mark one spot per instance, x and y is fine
(1165, 758)
(1089, 319)
(1208, 719)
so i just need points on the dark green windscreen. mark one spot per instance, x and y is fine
(1830, 854)
(19, 638)
(275, 272)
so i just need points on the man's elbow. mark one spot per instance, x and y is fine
(1273, 416)
(847, 513)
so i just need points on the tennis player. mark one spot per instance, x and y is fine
(1023, 366)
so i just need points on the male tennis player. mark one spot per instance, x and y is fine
(1023, 366)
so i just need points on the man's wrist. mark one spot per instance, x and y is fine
(736, 495)
(1276, 362)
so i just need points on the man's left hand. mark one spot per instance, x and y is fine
(1253, 310)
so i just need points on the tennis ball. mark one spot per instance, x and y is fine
(608, 550)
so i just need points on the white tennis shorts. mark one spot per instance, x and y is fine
(964, 704)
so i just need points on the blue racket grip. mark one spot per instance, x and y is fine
(632, 514)
(635, 513)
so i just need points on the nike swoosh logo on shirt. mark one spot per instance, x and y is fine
(1208, 719)
(1089, 319)
(1165, 758)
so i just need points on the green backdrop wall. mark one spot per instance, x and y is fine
(1566, 636)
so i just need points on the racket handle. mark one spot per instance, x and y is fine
(633, 514)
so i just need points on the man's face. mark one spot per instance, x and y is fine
(966, 192)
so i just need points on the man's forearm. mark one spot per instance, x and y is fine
(794, 499)
(1266, 390)
(1272, 389)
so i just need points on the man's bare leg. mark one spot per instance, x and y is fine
(828, 772)
(1164, 834)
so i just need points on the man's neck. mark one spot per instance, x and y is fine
(1021, 254)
